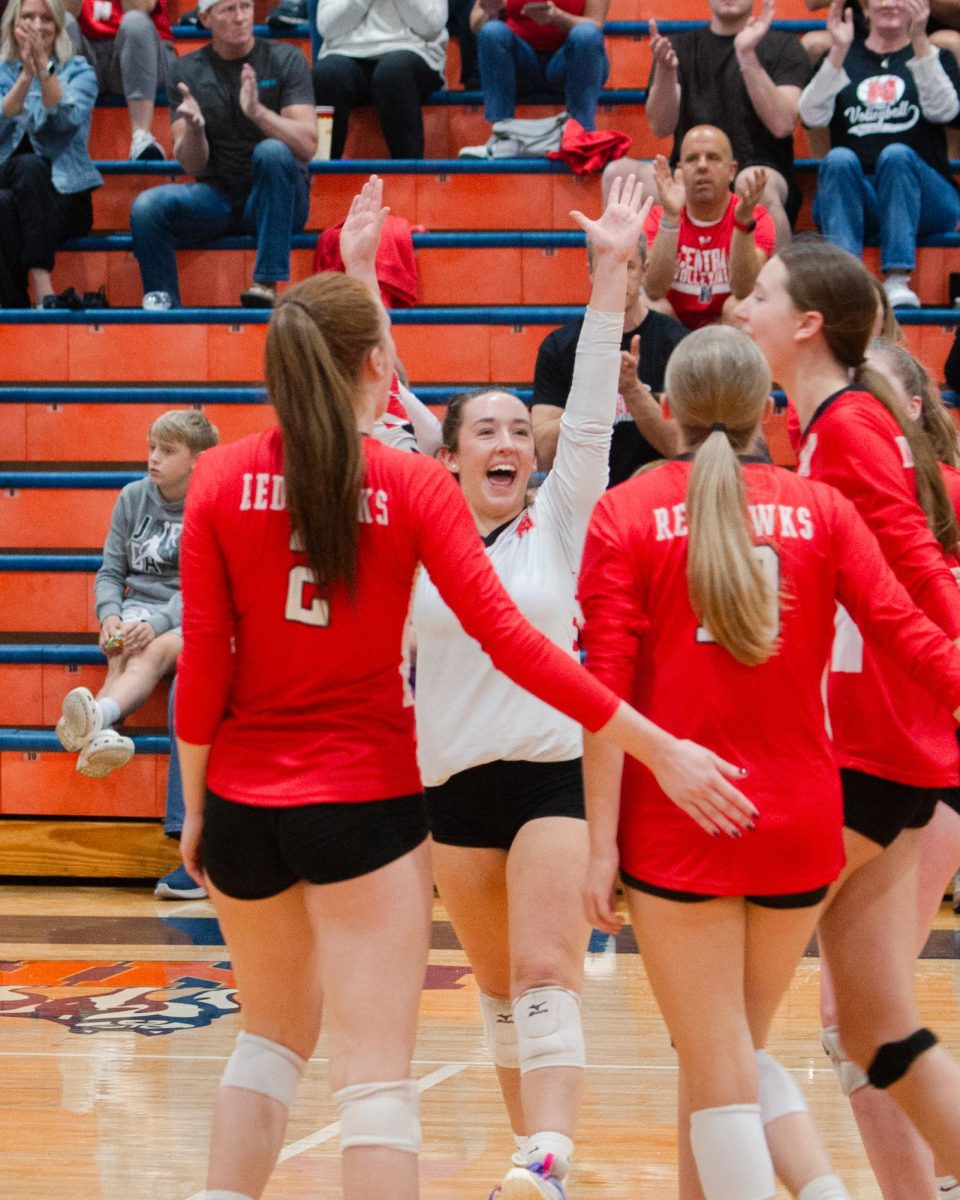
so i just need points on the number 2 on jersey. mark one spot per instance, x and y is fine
(769, 561)
(316, 610)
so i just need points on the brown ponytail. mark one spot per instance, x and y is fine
(822, 278)
(717, 377)
(319, 336)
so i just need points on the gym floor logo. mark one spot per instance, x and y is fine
(148, 998)
(156, 997)
(146, 1010)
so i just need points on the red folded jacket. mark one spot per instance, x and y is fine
(396, 263)
(588, 151)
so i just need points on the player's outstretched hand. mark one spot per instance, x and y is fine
(617, 231)
(698, 781)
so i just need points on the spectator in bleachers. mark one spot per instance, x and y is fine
(942, 26)
(745, 78)
(46, 176)
(130, 46)
(545, 45)
(707, 244)
(640, 433)
(388, 53)
(886, 98)
(137, 595)
(246, 129)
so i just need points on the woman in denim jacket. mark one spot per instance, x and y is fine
(46, 176)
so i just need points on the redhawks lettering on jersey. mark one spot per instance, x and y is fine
(263, 491)
(380, 499)
(769, 520)
(905, 452)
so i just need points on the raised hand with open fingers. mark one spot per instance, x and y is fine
(617, 231)
(670, 187)
(755, 30)
(360, 235)
(840, 27)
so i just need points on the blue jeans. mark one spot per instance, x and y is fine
(903, 200)
(194, 213)
(507, 63)
(174, 811)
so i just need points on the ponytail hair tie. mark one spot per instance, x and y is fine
(718, 427)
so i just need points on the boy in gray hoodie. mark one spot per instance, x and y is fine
(137, 595)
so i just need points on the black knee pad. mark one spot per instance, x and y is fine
(894, 1059)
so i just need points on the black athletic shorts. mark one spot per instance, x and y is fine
(486, 805)
(879, 809)
(951, 797)
(787, 900)
(252, 852)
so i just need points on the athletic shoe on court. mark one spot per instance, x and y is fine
(179, 885)
(103, 753)
(80, 719)
(533, 1182)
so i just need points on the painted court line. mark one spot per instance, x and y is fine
(330, 1131)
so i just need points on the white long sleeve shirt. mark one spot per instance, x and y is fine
(372, 28)
(468, 713)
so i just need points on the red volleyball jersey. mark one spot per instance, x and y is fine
(303, 696)
(882, 722)
(643, 638)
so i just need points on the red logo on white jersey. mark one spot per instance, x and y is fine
(526, 524)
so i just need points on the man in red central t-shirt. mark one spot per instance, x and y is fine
(707, 244)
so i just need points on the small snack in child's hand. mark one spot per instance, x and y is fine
(114, 643)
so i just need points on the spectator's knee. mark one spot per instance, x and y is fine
(147, 210)
(272, 155)
(33, 170)
(495, 34)
(585, 38)
(392, 73)
(135, 23)
(840, 161)
(896, 155)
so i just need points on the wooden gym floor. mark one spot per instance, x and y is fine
(117, 1015)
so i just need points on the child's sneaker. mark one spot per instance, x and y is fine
(533, 1182)
(103, 753)
(81, 719)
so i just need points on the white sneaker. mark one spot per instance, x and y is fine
(81, 719)
(144, 147)
(899, 293)
(532, 1182)
(103, 753)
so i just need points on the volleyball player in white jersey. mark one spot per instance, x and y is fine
(502, 770)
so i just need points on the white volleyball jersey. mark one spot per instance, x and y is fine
(469, 713)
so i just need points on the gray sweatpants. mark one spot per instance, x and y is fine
(134, 63)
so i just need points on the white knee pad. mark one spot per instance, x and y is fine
(850, 1075)
(549, 1030)
(499, 1030)
(380, 1114)
(220, 1194)
(260, 1065)
(824, 1187)
(779, 1093)
(731, 1153)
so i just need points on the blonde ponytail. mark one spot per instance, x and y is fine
(717, 384)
